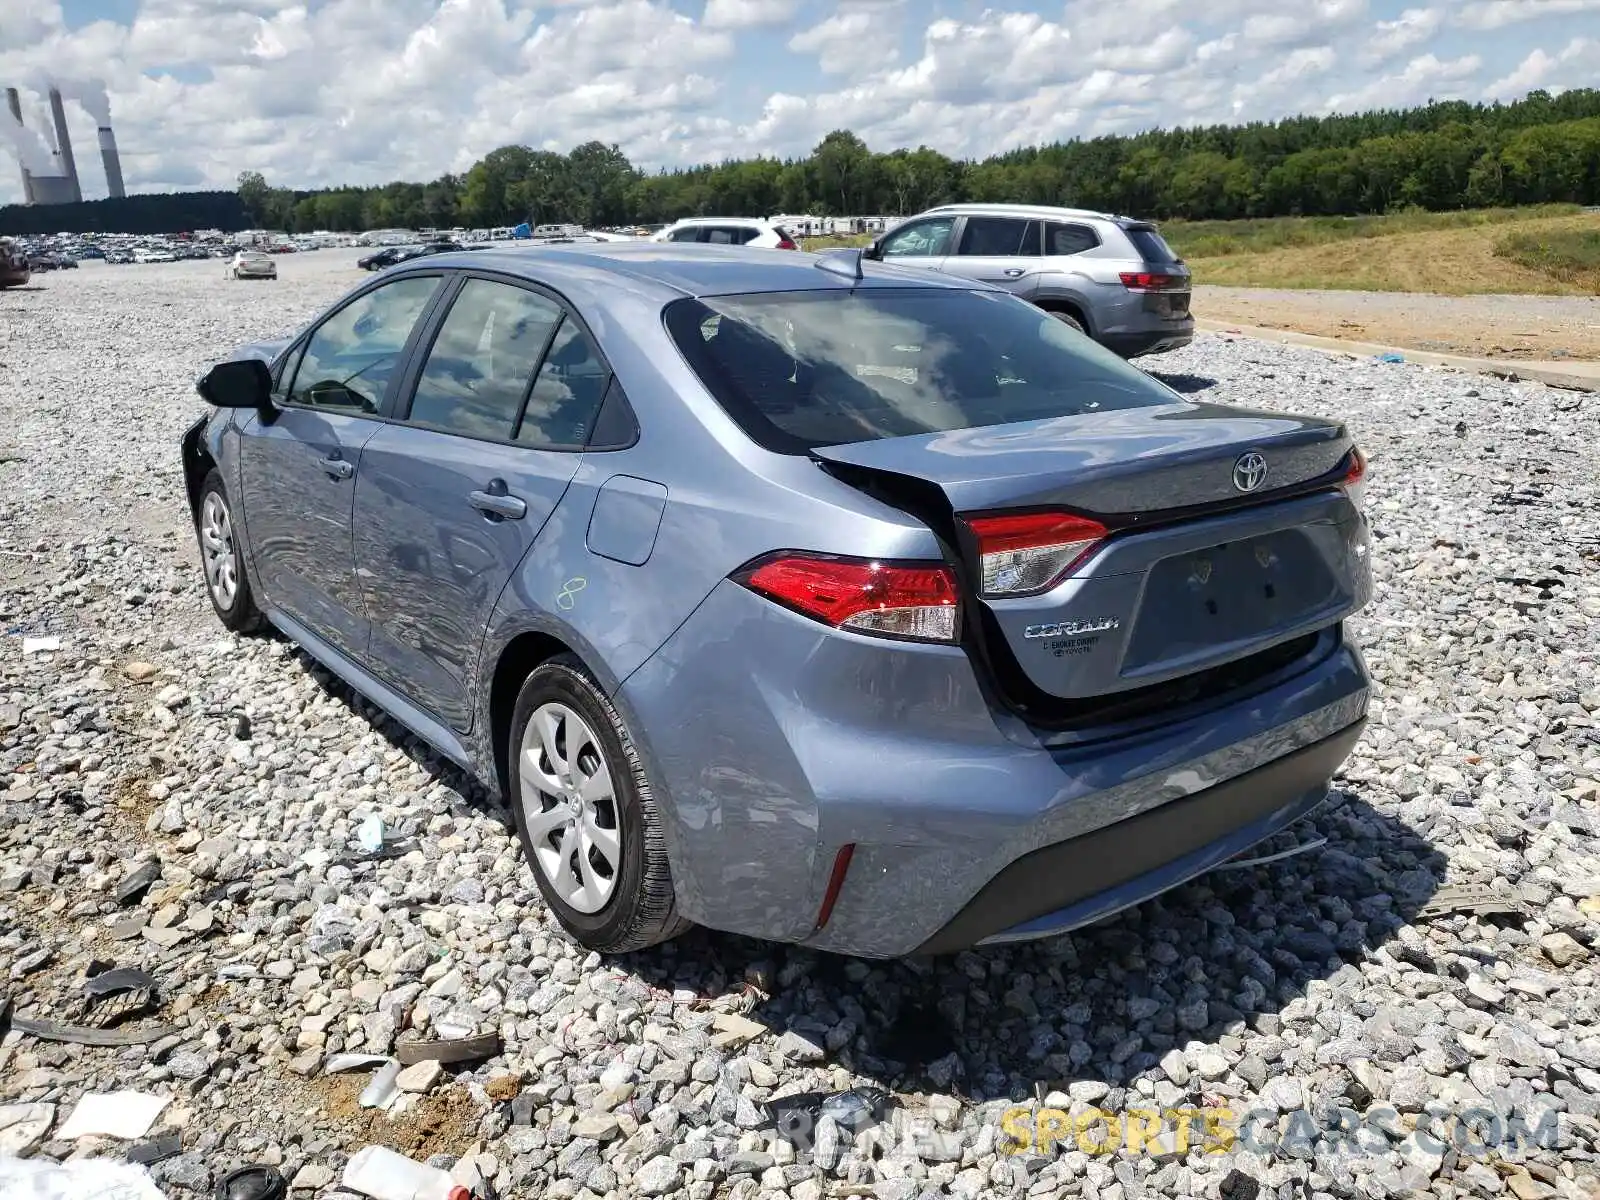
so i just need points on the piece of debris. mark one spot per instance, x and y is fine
(23, 1126)
(1236, 1185)
(40, 645)
(136, 882)
(1473, 898)
(57, 1031)
(255, 1182)
(381, 1091)
(114, 995)
(379, 1172)
(113, 1114)
(370, 833)
(156, 1150)
(733, 1030)
(447, 1050)
(340, 1063)
(795, 1117)
(79, 1179)
(1390, 357)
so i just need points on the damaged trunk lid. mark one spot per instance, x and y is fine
(1111, 551)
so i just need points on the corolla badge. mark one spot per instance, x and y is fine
(1071, 628)
(1250, 471)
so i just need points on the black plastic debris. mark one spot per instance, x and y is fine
(241, 724)
(447, 1050)
(113, 994)
(252, 1183)
(137, 882)
(795, 1118)
(156, 1150)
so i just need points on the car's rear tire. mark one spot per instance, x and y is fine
(586, 814)
(222, 559)
(1067, 319)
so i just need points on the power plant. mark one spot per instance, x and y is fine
(49, 169)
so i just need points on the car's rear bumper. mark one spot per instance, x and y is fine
(774, 744)
(1085, 879)
(1175, 336)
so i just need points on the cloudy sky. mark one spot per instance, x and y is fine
(320, 92)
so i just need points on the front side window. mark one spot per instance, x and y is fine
(925, 239)
(566, 395)
(350, 358)
(689, 234)
(998, 237)
(798, 370)
(482, 360)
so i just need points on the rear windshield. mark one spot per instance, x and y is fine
(1152, 247)
(823, 368)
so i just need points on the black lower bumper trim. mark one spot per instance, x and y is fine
(1134, 345)
(1057, 876)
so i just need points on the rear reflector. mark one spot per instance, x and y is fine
(1355, 479)
(841, 866)
(1030, 552)
(913, 602)
(1146, 281)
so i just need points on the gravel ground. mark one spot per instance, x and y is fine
(1310, 989)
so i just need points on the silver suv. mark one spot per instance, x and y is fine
(1114, 278)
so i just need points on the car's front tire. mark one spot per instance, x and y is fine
(586, 814)
(222, 559)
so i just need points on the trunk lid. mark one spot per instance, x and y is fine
(1195, 571)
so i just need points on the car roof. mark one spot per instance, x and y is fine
(761, 221)
(668, 270)
(1019, 210)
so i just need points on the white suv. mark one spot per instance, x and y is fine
(728, 231)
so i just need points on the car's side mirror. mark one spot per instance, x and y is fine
(873, 251)
(241, 383)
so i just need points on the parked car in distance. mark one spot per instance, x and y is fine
(850, 605)
(252, 264)
(728, 231)
(14, 269)
(393, 255)
(1113, 278)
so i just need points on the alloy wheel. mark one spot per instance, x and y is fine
(569, 807)
(221, 556)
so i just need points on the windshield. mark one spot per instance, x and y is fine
(820, 368)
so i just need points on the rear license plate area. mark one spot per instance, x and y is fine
(1241, 591)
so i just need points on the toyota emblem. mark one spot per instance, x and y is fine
(1250, 472)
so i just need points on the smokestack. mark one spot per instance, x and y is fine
(69, 168)
(14, 103)
(113, 163)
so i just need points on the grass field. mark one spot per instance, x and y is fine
(1547, 250)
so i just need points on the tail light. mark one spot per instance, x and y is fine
(1355, 478)
(787, 243)
(1030, 552)
(1146, 281)
(908, 601)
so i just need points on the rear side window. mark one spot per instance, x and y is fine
(729, 235)
(482, 360)
(999, 237)
(1069, 239)
(1152, 247)
(803, 369)
(566, 395)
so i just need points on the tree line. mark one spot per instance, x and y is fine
(1440, 156)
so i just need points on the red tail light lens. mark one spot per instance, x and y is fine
(1031, 552)
(1145, 281)
(1355, 479)
(915, 602)
(787, 244)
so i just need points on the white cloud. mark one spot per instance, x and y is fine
(321, 92)
(1496, 14)
(1413, 26)
(748, 14)
(1577, 65)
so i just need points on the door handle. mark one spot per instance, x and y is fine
(498, 504)
(337, 468)
(1012, 272)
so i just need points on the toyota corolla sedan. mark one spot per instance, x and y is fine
(810, 599)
